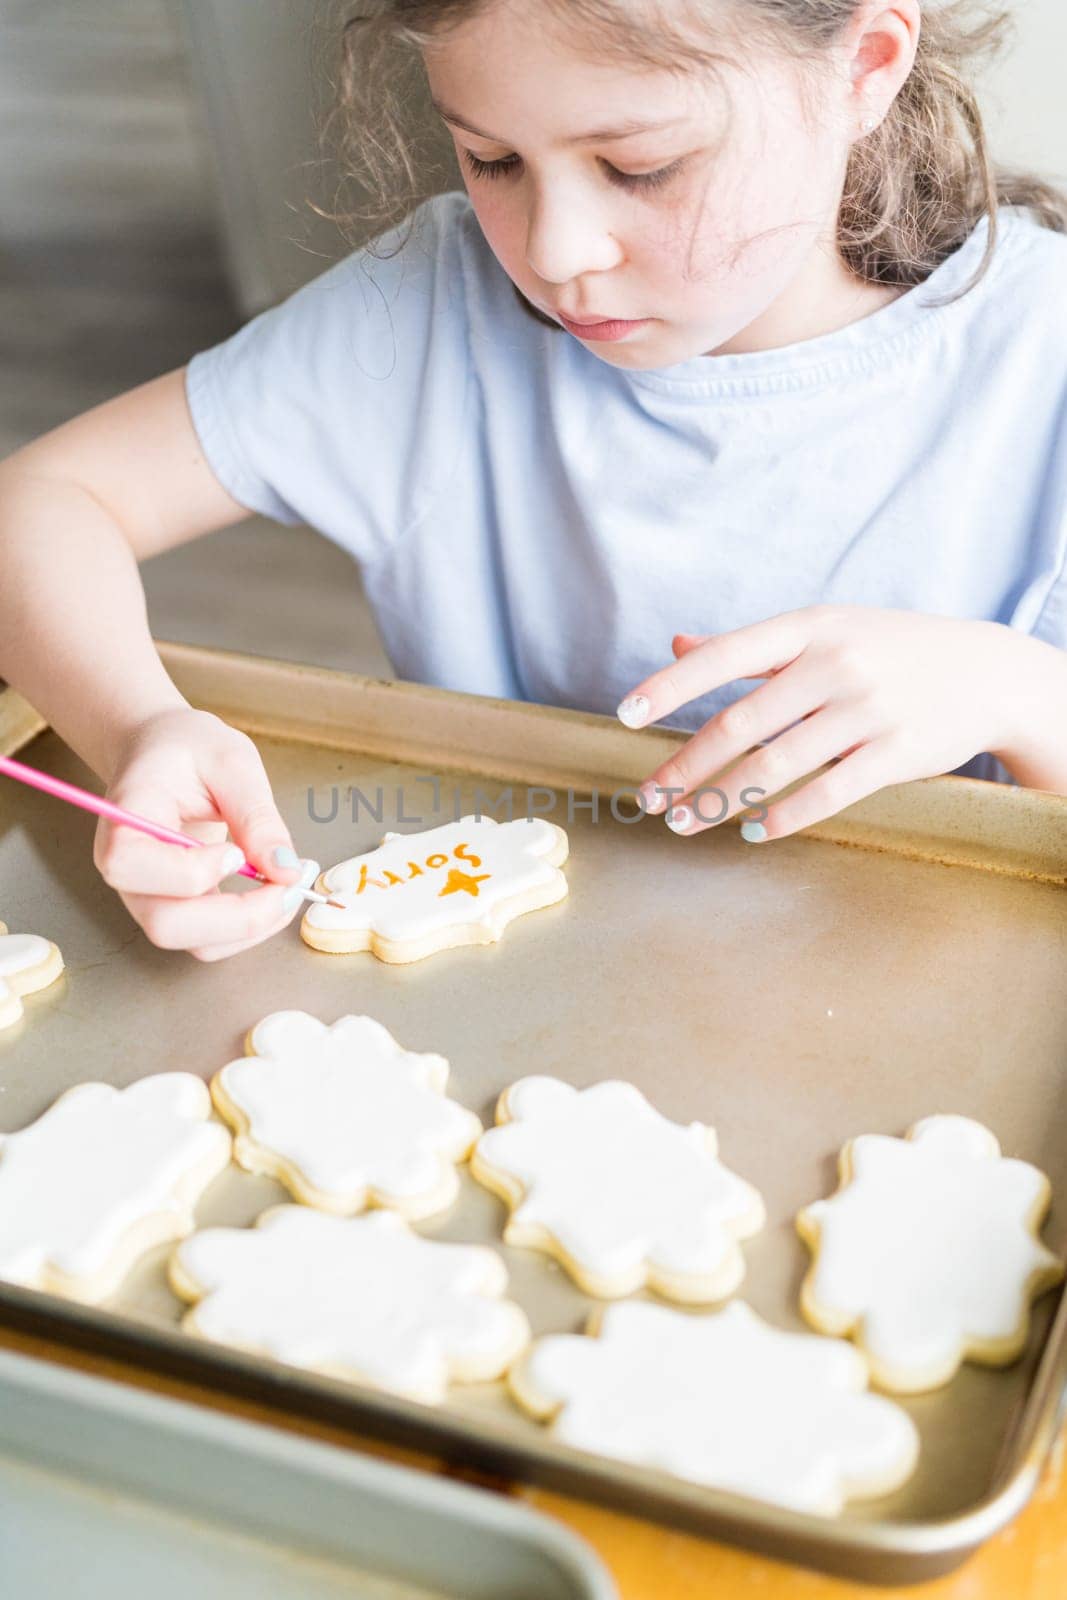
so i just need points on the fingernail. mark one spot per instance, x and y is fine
(754, 832)
(233, 859)
(653, 798)
(633, 711)
(286, 856)
(292, 898)
(309, 872)
(680, 819)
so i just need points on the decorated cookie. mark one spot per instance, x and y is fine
(27, 963)
(617, 1193)
(344, 1116)
(103, 1176)
(418, 893)
(360, 1298)
(721, 1399)
(928, 1253)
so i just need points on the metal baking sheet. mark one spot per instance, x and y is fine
(107, 1493)
(904, 958)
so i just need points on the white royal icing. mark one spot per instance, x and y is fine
(462, 873)
(356, 1117)
(20, 953)
(628, 1196)
(359, 1297)
(725, 1400)
(99, 1163)
(928, 1247)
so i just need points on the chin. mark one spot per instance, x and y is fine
(649, 354)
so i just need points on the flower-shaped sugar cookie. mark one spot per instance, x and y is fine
(620, 1195)
(344, 1116)
(27, 963)
(418, 893)
(721, 1399)
(103, 1176)
(361, 1298)
(928, 1252)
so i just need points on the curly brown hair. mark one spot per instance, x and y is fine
(914, 189)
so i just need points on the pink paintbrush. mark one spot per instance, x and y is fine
(104, 808)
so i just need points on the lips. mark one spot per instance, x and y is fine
(592, 322)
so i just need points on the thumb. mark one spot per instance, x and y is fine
(241, 790)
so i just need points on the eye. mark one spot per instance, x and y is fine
(624, 180)
(489, 169)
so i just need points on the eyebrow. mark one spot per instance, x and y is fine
(595, 135)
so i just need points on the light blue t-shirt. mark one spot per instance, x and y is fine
(531, 522)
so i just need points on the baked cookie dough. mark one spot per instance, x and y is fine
(418, 893)
(103, 1176)
(359, 1298)
(621, 1196)
(721, 1399)
(27, 963)
(344, 1116)
(928, 1254)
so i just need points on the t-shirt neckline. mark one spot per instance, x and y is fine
(858, 346)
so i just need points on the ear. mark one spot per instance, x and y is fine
(879, 46)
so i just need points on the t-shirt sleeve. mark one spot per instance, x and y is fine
(343, 406)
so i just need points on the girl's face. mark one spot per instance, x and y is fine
(700, 206)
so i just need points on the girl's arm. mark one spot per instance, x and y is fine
(79, 508)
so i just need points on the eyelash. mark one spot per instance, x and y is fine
(625, 180)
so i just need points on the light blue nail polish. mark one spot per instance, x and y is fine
(233, 859)
(633, 711)
(754, 832)
(292, 899)
(286, 856)
(679, 819)
(653, 799)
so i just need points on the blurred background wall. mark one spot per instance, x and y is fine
(153, 170)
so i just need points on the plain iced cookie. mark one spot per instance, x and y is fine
(928, 1254)
(359, 1298)
(418, 893)
(721, 1399)
(344, 1116)
(103, 1176)
(621, 1196)
(27, 963)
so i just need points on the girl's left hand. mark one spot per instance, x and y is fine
(887, 696)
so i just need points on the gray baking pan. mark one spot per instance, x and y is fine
(109, 1493)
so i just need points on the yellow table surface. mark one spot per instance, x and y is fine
(1027, 1561)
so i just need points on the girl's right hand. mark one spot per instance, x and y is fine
(192, 772)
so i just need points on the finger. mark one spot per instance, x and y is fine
(134, 863)
(130, 860)
(750, 652)
(682, 643)
(758, 715)
(214, 919)
(241, 789)
(221, 952)
(794, 755)
(863, 771)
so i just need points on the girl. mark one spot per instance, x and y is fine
(734, 332)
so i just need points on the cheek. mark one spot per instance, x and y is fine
(758, 217)
(500, 222)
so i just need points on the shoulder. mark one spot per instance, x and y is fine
(1019, 301)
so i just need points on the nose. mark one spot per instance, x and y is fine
(567, 236)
